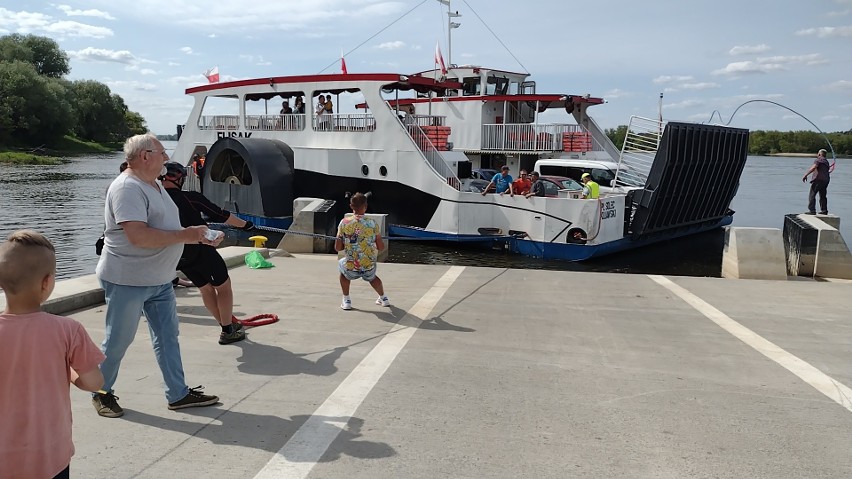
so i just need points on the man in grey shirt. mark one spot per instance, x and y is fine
(143, 242)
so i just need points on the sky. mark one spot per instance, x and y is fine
(704, 56)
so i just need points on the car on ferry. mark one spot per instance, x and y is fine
(552, 185)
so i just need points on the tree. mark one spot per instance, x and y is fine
(100, 113)
(33, 108)
(617, 135)
(42, 53)
(135, 123)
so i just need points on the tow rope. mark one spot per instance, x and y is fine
(257, 320)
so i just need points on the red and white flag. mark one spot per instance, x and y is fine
(343, 64)
(439, 59)
(212, 75)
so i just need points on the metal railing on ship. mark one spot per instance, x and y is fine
(537, 137)
(344, 122)
(433, 155)
(637, 154)
(289, 122)
(218, 122)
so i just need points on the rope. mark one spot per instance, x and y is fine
(317, 235)
(833, 156)
(257, 320)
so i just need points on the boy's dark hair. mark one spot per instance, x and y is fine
(358, 200)
(25, 257)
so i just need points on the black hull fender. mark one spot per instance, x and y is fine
(250, 175)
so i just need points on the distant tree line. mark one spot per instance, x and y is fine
(39, 106)
(772, 142)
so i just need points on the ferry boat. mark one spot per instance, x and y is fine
(412, 141)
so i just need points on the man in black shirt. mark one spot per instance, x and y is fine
(202, 264)
(537, 187)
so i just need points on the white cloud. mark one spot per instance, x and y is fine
(187, 50)
(84, 13)
(615, 93)
(683, 104)
(700, 86)
(671, 78)
(147, 71)
(38, 23)
(747, 49)
(824, 32)
(90, 54)
(769, 64)
(131, 85)
(395, 45)
(830, 117)
(173, 64)
(212, 35)
(841, 13)
(840, 85)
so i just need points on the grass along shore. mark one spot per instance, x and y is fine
(54, 154)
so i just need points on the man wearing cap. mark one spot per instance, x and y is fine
(537, 186)
(202, 264)
(591, 190)
(501, 182)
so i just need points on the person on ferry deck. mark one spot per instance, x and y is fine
(537, 186)
(285, 108)
(500, 182)
(522, 185)
(591, 190)
(299, 107)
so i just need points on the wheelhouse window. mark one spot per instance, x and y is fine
(284, 111)
(471, 86)
(220, 113)
(497, 86)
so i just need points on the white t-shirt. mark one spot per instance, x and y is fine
(129, 199)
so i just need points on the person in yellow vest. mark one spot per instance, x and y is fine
(591, 190)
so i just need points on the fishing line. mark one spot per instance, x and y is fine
(495, 36)
(716, 112)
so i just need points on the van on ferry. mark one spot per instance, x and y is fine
(603, 172)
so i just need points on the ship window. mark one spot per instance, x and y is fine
(266, 112)
(497, 86)
(471, 86)
(220, 113)
(342, 110)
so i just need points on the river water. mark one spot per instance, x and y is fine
(65, 202)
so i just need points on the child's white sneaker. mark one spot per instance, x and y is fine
(383, 301)
(346, 305)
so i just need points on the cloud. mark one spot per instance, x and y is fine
(683, 104)
(747, 49)
(841, 13)
(131, 85)
(825, 32)
(187, 50)
(173, 64)
(90, 54)
(769, 64)
(212, 35)
(840, 85)
(84, 13)
(31, 22)
(615, 93)
(395, 45)
(671, 78)
(700, 86)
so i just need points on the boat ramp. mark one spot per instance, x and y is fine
(480, 372)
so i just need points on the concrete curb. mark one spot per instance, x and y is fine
(85, 291)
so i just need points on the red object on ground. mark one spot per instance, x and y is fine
(257, 320)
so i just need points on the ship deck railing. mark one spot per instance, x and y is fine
(532, 137)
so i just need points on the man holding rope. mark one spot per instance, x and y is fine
(202, 264)
(819, 184)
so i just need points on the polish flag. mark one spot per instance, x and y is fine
(212, 75)
(439, 59)
(343, 64)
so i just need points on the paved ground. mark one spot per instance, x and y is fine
(482, 372)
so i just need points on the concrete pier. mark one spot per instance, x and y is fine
(487, 372)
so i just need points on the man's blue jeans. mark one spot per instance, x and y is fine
(125, 305)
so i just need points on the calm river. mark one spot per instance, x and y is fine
(66, 203)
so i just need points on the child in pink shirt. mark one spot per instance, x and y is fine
(40, 354)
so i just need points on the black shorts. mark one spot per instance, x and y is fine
(203, 265)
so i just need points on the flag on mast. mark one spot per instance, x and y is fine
(212, 75)
(343, 63)
(439, 59)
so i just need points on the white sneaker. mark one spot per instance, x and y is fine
(346, 304)
(383, 301)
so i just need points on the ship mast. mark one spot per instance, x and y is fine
(450, 25)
